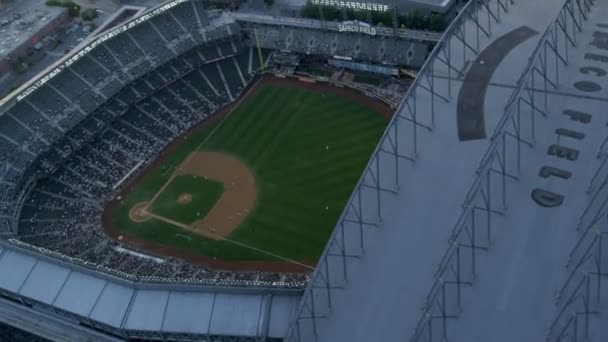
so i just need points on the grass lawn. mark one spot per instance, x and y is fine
(306, 149)
(204, 192)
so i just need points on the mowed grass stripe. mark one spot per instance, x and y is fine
(281, 134)
(243, 119)
(270, 134)
(338, 162)
(268, 149)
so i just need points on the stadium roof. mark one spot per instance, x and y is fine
(164, 309)
(438, 3)
(472, 238)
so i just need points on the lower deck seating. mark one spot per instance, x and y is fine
(63, 211)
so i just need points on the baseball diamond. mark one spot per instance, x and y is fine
(265, 182)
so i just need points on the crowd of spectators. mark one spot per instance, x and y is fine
(76, 139)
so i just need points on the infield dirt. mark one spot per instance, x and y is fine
(232, 207)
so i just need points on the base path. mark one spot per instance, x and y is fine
(232, 207)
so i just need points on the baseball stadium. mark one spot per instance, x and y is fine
(198, 172)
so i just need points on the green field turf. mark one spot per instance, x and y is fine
(306, 149)
(205, 193)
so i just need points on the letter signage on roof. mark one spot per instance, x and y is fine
(358, 27)
(369, 6)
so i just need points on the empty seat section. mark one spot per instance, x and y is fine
(6, 146)
(193, 57)
(231, 75)
(186, 15)
(200, 11)
(227, 48)
(127, 95)
(140, 67)
(27, 115)
(198, 101)
(155, 80)
(248, 62)
(70, 118)
(122, 47)
(179, 65)
(104, 58)
(211, 74)
(111, 87)
(150, 41)
(142, 87)
(167, 72)
(48, 100)
(89, 70)
(210, 52)
(70, 85)
(13, 130)
(167, 26)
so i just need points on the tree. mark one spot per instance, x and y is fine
(309, 10)
(383, 18)
(73, 8)
(269, 3)
(89, 14)
(415, 19)
(437, 22)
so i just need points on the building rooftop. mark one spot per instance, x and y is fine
(21, 22)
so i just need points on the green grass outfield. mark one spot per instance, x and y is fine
(281, 134)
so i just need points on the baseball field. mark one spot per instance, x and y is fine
(264, 182)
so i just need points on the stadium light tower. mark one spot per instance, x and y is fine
(321, 16)
(395, 19)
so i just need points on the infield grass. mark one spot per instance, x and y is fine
(306, 149)
(204, 192)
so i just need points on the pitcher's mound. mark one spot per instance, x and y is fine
(138, 213)
(184, 198)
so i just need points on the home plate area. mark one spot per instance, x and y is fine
(210, 194)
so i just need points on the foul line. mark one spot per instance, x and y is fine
(267, 253)
(234, 106)
(222, 238)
